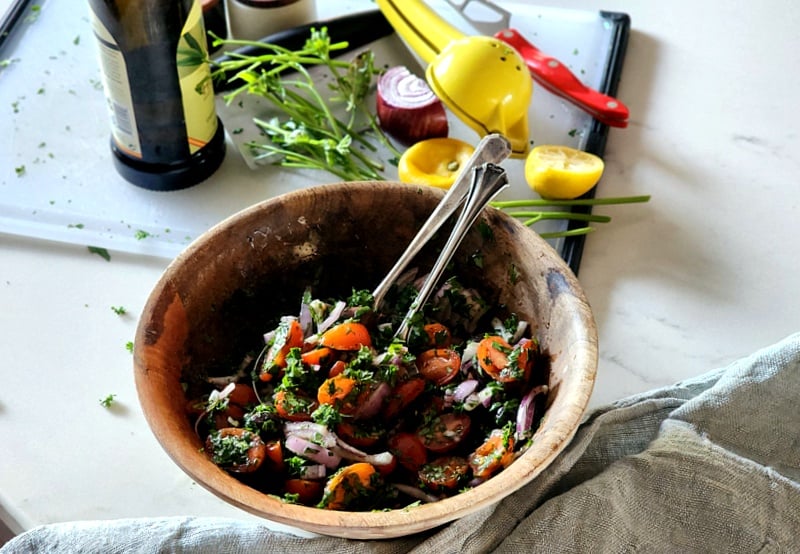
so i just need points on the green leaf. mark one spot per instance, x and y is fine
(102, 252)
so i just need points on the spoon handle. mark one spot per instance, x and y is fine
(487, 180)
(493, 149)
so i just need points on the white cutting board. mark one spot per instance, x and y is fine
(53, 123)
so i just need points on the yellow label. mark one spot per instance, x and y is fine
(195, 77)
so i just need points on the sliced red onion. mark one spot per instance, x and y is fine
(522, 326)
(305, 319)
(407, 107)
(476, 481)
(415, 492)
(336, 313)
(526, 412)
(350, 452)
(406, 277)
(481, 398)
(372, 406)
(311, 451)
(313, 472)
(308, 430)
(464, 389)
(468, 355)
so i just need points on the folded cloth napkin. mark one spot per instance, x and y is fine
(711, 464)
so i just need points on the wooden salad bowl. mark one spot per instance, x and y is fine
(216, 299)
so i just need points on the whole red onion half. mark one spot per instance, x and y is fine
(407, 108)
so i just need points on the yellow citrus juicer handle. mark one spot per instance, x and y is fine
(425, 32)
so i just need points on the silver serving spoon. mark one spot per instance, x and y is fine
(492, 148)
(487, 180)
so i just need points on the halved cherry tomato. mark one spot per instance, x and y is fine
(361, 435)
(438, 335)
(439, 365)
(253, 457)
(337, 368)
(229, 417)
(293, 406)
(502, 362)
(387, 469)
(317, 356)
(349, 335)
(274, 454)
(308, 492)
(409, 450)
(403, 394)
(243, 395)
(496, 453)
(341, 392)
(447, 472)
(289, 335)
(444, 432)
(349, 486)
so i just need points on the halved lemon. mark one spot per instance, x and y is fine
(562, 173)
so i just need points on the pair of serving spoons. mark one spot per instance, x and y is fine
(479, 182)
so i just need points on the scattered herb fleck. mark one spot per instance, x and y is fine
(20, 170)
(572, 132)
(102, 252)
(75, 226)
(141, 234)
(119, 310)
(34, 15)
(77, 40)
(107, 401)
(129, 346)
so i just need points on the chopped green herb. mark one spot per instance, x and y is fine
(102, 252)
(76, 40)
(572, 132)
(20, 170)
(140, 234)
(34, 15)
(75, 226)
(309, 134)
(119, 310)
(107, 401)
(129, 346)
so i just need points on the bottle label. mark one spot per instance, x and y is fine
(117, 90)
(195, 77)
(194, 73)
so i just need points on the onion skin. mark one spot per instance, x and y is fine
(407, 108)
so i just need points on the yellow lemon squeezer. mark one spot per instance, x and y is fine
(482, 80)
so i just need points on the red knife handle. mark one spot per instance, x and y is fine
(558, 79)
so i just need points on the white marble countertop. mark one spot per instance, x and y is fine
(703, 274)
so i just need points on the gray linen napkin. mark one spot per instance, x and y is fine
(710, 464)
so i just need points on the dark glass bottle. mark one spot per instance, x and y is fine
(165, 133)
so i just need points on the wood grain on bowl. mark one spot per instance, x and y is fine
(215, 300)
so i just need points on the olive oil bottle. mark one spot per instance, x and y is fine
(165, 133)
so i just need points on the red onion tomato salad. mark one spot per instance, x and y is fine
(337, 413)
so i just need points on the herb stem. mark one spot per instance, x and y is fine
(533, 202)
